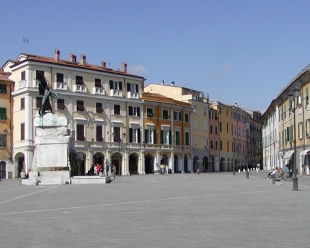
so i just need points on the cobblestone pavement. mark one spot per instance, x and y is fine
(178, 210)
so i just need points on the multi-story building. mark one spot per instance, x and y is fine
(102, 105)
(6, 167)
(286, 126)
(167, 133)
(214, 136)
(199, 119)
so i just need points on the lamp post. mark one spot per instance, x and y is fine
(247, 128)
(118, 139)
(295, 93)
(234, 169)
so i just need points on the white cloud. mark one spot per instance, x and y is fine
(136, 69)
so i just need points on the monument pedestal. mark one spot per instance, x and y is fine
(51, 155)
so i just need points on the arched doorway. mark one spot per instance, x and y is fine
(195, 163)
(2, 169)
(164, 159)
(80, 164)
(176, 164)
(20, 163)
(149, 164)
(205, 162)
(116, 160)
(185, 164)
(133, 164)
(222, 164)
(98, 158)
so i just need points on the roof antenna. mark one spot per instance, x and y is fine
(25, 40)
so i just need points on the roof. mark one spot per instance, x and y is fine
(155, 97)
(4, 76)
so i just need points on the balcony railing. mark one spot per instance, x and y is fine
(22, 84)
(60, 86)
(116, 93)
(99, 90)
(79, 88)
(132, 94)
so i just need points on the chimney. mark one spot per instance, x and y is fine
(57, 55)
(172, 83)
(103, 64)
(83, 59)
(124, 67)
(72, 58)
(162, 82)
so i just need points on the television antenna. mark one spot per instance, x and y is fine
(25, 40)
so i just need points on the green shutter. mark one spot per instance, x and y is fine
(170, 138)
(154, 133)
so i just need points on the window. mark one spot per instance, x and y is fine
(195, 108)
(2, 140)
(165, 114)
(176, 116)
(211, 143)
(79, 80)
(116, 134)
(61, 104)
(195, 141)
(308, 128)
(205, 110)
(177, 138)
(134, 135)
(134, 111)
(99, 133)
(227, 146)
(149, 136)
(3, 88)
(23, 75)
(215, 130)
(300, 130)
(205, 126)
(211, 129)
(186, 117)
(149, 112)
(132, 87)
(114, 85)
(38, 102)
(22, 103)
(22, 131)
(216, 145)
(220, 126)
(165, 137)
(98, 82)
(38, 72)
(80, 105)
(195, 124)
(117, 109)
(187, 138)
(80, 132)
(59, 78)
(99, 108)
(221, 145)
(2, 113)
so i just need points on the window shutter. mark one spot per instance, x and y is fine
(169, 137)
(139, 135)
(128, 87)
(145, 136)
(130, 135)
(154, 136)
(111, 84)
(137, 88)
(161, 136)
(138, 111)
(130, 110)
(120, 85)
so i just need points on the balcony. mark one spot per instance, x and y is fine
(132, 95)
(79, 88)
(22, 84)
(116, 93)
(35, 83)
(60, 86)
(99, 90)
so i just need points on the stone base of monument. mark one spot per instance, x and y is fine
(90, 179)
(47, 178)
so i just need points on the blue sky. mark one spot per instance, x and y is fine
(243, 51)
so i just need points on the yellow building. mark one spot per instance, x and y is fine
(102, 105)
(199, 119)
(5, 126)
(167, 133)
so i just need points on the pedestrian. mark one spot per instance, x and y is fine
(106, 168)
(167, 169)
(113, 171)
(162, 169)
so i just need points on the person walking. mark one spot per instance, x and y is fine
(162, 169)
(107, 168)
(113, 171)
(167, 169)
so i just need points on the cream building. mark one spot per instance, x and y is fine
(199, 119)
(102, 105)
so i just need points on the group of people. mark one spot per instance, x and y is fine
(164, 169)
(24, 175)
(280, 173)
(98, 170)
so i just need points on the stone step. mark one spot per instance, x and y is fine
(48, 181)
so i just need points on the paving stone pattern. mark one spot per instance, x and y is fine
(178, 210)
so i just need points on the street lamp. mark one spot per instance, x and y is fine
(118, 139)
(234, 169)
(295, 93)
(247, 128)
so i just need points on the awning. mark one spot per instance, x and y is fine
(288, 154)
(303, 153)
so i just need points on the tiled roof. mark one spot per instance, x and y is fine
(4, 76)
(155, 97)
